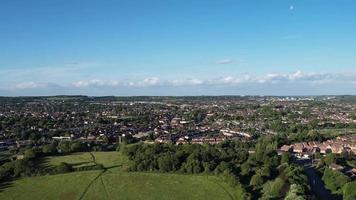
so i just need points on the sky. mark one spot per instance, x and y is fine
(177, 47)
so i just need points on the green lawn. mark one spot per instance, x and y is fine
(63, 186)
(116, 184)
(108, 159)
(119, 185)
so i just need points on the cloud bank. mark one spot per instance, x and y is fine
(296, 80)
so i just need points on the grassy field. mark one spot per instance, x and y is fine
(108, 159)
(115, 183)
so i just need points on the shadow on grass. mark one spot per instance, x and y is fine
(7, 183)
(114, 166)
(79, 163)
(42, 164)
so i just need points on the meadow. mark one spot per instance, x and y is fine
(115, 183)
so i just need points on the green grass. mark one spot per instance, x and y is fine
(116, 184)
(108, 159)
(62, 186)
(119, 185)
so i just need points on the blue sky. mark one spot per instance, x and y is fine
(171, 47)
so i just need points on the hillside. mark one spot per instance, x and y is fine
(115, 183)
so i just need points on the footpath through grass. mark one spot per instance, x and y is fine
(110, 159)
(116, 184)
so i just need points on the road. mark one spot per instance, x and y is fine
(315, 182)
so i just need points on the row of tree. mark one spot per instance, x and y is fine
(263, 173)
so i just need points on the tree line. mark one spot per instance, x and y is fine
(261, 174)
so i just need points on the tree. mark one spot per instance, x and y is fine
(49, 149)
(64, 147)
(223, 166)
(192, 165)
(256, 181)
(285, 157)
(29, 154)
(245, 169)
(20, 168)
(76, 147)
(334, 180)
(167, 163)
(295, 193)
(329, 159)
(266, 171)
(272, 189)
(296, 175)
(105, 139)
(349, 191)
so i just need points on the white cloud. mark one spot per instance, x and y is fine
(30, 85)
(310, 77)
(96, 83)
(183, 82)
(224, 61)
(295, 78)
(151, 81)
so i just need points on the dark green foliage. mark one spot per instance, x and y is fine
(49, 149)
(64, 147)
(295, 175)
(76, 146)
(334, 180)
(168, 163)
(245, 169)
(329, 159)
(256, 181)
(285, 157)
(349, 191)
(29, 154)
(273, 189)
(295, 193)
(63, 168)
(17, 168)
(185, 158)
